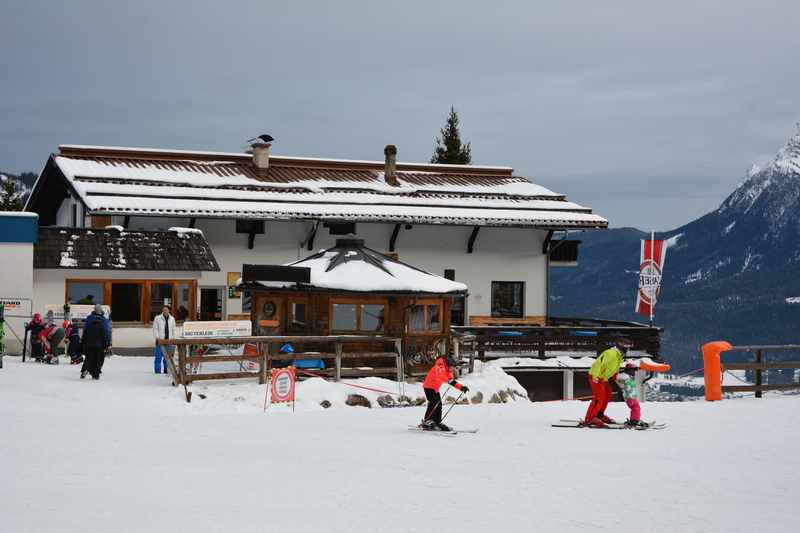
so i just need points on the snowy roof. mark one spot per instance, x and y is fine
(129, 181)
(351, 266)
(112, 249)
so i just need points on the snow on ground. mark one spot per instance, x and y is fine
(128, 454)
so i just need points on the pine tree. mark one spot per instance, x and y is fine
(10, 199)
(449, 149)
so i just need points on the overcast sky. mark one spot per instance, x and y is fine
(649, 112)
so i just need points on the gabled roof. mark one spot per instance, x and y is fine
(350, 266)
(129, 181)
(180, 249)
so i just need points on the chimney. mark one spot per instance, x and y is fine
(390, 167)
(261, 155)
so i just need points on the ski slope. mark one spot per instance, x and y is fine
(127, 454)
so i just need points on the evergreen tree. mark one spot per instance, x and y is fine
(449, 149)
(10, 199)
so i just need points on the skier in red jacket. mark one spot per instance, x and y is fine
(438, 375)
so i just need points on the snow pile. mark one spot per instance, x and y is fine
(184, 232)
(488, 384)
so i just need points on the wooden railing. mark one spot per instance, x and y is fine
(759, 366)
(560, 335)
(185, 366)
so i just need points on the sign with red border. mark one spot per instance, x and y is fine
(283, 381)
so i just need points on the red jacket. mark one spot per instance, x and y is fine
(438, 375)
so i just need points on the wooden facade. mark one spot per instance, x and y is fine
(421, 321)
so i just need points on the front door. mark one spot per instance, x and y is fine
(268, 312)
(211, 299)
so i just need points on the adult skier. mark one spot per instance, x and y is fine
(438, 375)
(96, 339)
(603, 370)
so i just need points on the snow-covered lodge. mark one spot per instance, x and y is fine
(485, 227)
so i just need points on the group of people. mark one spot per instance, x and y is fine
(607, 368)
(604, 370)
(89, 348)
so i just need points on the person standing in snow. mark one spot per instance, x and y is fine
(96, 340)
(627, 384)
(35, 327)
(438, 375)
(163, 328)
(604, 369)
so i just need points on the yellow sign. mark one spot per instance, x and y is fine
(233, 278)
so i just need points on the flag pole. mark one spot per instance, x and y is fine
(653, 260)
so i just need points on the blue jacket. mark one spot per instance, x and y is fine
(96, 337)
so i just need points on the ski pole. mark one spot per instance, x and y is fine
(453, 405)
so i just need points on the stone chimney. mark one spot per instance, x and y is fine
(390, 167)
(261, 155)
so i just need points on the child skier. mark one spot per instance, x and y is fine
(438, 375)
(627, 384)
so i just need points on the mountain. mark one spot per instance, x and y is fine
(733, 274)
(23, 181)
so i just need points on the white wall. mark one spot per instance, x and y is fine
(500, 254)
(64, 213)
(16, 281)
(49, 287)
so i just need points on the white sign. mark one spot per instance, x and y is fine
(228, 328)
(17, 307)
(79, 311)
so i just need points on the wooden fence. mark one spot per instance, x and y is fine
(184, 364)
(759, 366)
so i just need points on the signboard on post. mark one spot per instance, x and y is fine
(227, 328)
(283, 381)
(17, 307)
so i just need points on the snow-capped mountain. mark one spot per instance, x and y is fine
(23, 182)
(732, 274)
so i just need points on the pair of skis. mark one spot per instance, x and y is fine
(572, 423)
(451, 433)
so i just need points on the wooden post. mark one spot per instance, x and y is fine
(759, 359)
(182, 371)
(399, 349)
(472, 357)
(262, 364)
(338, 375)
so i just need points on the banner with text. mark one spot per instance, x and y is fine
(651, 268)
(225, 328)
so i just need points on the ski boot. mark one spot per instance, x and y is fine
(428, 425)
(443, 427)
(606, 419)
(596, 422)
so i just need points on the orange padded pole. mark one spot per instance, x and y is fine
(712, 368)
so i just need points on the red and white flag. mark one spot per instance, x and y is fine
(651, 268)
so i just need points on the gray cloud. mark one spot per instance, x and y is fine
(581, 95)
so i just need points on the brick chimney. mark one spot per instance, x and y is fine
(261, 155)
(390, 167)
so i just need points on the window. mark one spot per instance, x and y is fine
(297, 318)
(160, 295)
(508, 299)
(458, 312)
(74, 215)
(182, 301)
(425, 316)
(86, 293)
(136, 300)
(126, 302)
(367, 317)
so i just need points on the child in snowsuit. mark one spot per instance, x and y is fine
(605, 368)
(36, 327)
(627, 384)
(438, 375)
(74, 347)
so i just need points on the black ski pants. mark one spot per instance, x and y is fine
(434, 410)
(95, 357)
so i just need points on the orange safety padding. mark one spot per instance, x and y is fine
(655, 367)
(712, 368)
